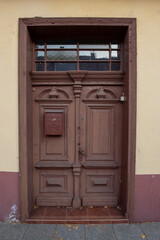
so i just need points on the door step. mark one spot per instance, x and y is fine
(69, 215)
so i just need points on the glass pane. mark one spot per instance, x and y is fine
(115, 55)
(62, 55)
(40, 45)
(40, 66)
(93, 55)
(115, 66)
(115, 45)
(94, 46)
(61, 66)
(94, 66)
(61, 45)
(39, 55)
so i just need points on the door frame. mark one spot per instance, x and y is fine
(25, 88)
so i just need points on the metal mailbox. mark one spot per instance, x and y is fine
(53, 123)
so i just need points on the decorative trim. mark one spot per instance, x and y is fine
(50, 76)
(77, 76)
(93, 165)
(53, 164)
(102, 93)
(53, 91)
(56, 101)
(102, 101)
(105, 90)
(68, 76)
(72, 21)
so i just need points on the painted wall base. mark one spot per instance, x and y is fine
(9, 196)
(147, 198)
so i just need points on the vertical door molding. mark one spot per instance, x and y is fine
(132, 89)
(77, 77)
(23, 125)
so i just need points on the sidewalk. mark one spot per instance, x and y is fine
(17, 231)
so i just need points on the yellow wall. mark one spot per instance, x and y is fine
(147, 13)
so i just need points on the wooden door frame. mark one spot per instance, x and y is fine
(25, 88)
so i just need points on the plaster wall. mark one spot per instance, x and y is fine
(148, 69)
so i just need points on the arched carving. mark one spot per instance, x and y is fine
(101, 93)
(56, 93)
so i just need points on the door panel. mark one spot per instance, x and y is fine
(100, 132)
(101, 182)
(55, 188)
(100, 126)
(99, 187)
(54, 147)
(53, 140)
(101, 123)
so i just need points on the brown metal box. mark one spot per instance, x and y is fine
(53, 123)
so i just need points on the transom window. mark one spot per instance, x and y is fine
(70, 55)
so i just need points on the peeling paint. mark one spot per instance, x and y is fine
(12, 215)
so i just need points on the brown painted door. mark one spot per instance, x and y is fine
(77, 124)
(100, 140)
(53, 144)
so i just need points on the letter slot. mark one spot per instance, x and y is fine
(54, 123)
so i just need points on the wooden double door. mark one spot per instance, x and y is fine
(77, 139)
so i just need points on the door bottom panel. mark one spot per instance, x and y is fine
(54, 201)
(100, 201)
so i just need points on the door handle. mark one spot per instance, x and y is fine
(81, 151)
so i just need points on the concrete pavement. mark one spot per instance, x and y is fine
(19, 231)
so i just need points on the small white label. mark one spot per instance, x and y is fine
(122, 98)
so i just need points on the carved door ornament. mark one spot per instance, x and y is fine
(53, 93)
(100, 93)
